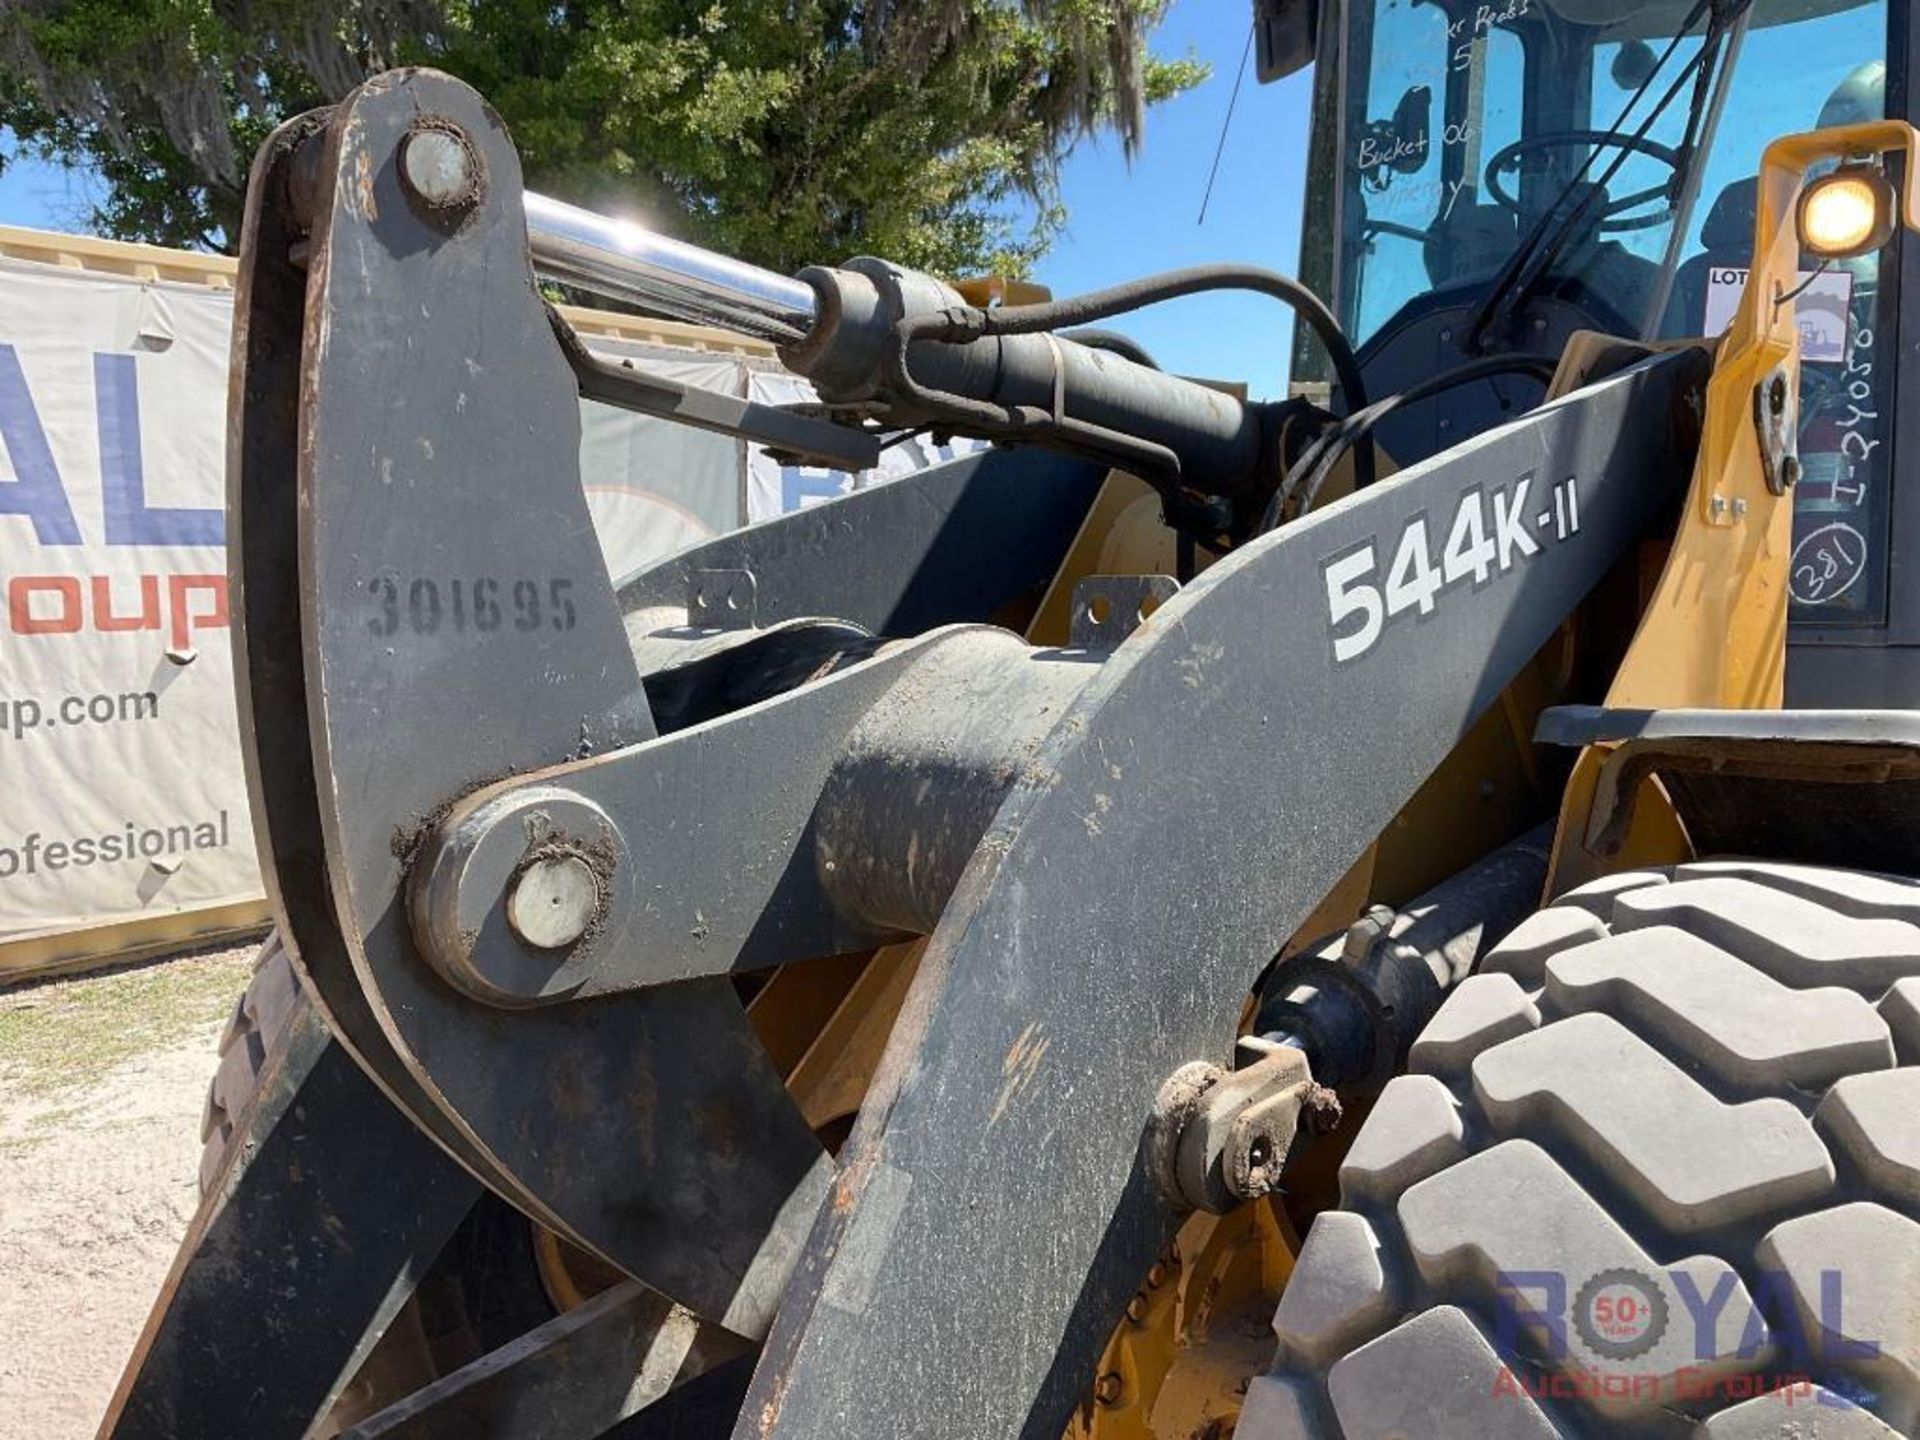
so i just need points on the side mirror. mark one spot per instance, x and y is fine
(1412, 121)
(1285, 35)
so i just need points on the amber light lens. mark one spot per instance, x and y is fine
(1847, 213)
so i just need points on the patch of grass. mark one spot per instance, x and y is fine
(66, 1034)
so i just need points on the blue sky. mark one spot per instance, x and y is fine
(1123, 220)
(46, 197)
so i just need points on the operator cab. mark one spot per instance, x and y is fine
(1490, 176)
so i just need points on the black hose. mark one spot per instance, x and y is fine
(1097, 305)
(1317, 462)
(1125, 346)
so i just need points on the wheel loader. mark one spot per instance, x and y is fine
(1383, 912)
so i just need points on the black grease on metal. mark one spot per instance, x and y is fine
(1321, 1111)
(450, 211)
(757, 669)
(410, 837)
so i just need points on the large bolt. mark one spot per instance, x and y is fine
(1109, 1388)
(439, 166)
(553, 901)
(507, 889)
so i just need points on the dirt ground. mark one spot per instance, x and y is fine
(102, 1079)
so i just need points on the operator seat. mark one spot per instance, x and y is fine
(1471, 242)
(1727, 238)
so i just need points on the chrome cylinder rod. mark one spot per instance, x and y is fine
(620, 260)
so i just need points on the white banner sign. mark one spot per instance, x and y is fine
(654, 487)
(120, 791)
(774, 489)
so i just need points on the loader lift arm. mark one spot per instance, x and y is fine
(414, 559)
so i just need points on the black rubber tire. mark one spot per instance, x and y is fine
(259, 1015)
(1668, 1089)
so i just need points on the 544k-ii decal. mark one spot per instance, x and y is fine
(1489, 532)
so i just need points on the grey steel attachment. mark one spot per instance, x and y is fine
(958, 780)
(1107, 609)
(1219, 1138)
(872, 789)
(469, 402)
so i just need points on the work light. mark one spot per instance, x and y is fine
(1847, 213)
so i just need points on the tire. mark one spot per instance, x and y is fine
(1660, 1152)
(259, 1016)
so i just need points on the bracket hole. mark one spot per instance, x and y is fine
(1099, 609)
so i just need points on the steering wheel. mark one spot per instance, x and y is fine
(1508, 157)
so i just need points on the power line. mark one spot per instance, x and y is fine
(1220, 149)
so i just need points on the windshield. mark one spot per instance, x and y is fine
(1610, 146)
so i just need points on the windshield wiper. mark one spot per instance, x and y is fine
(1533, 258)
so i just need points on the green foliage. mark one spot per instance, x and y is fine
(783, 131)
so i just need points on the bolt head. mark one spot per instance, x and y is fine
(553, 902)
(438, 166)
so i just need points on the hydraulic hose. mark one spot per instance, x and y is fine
(1311, 470)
